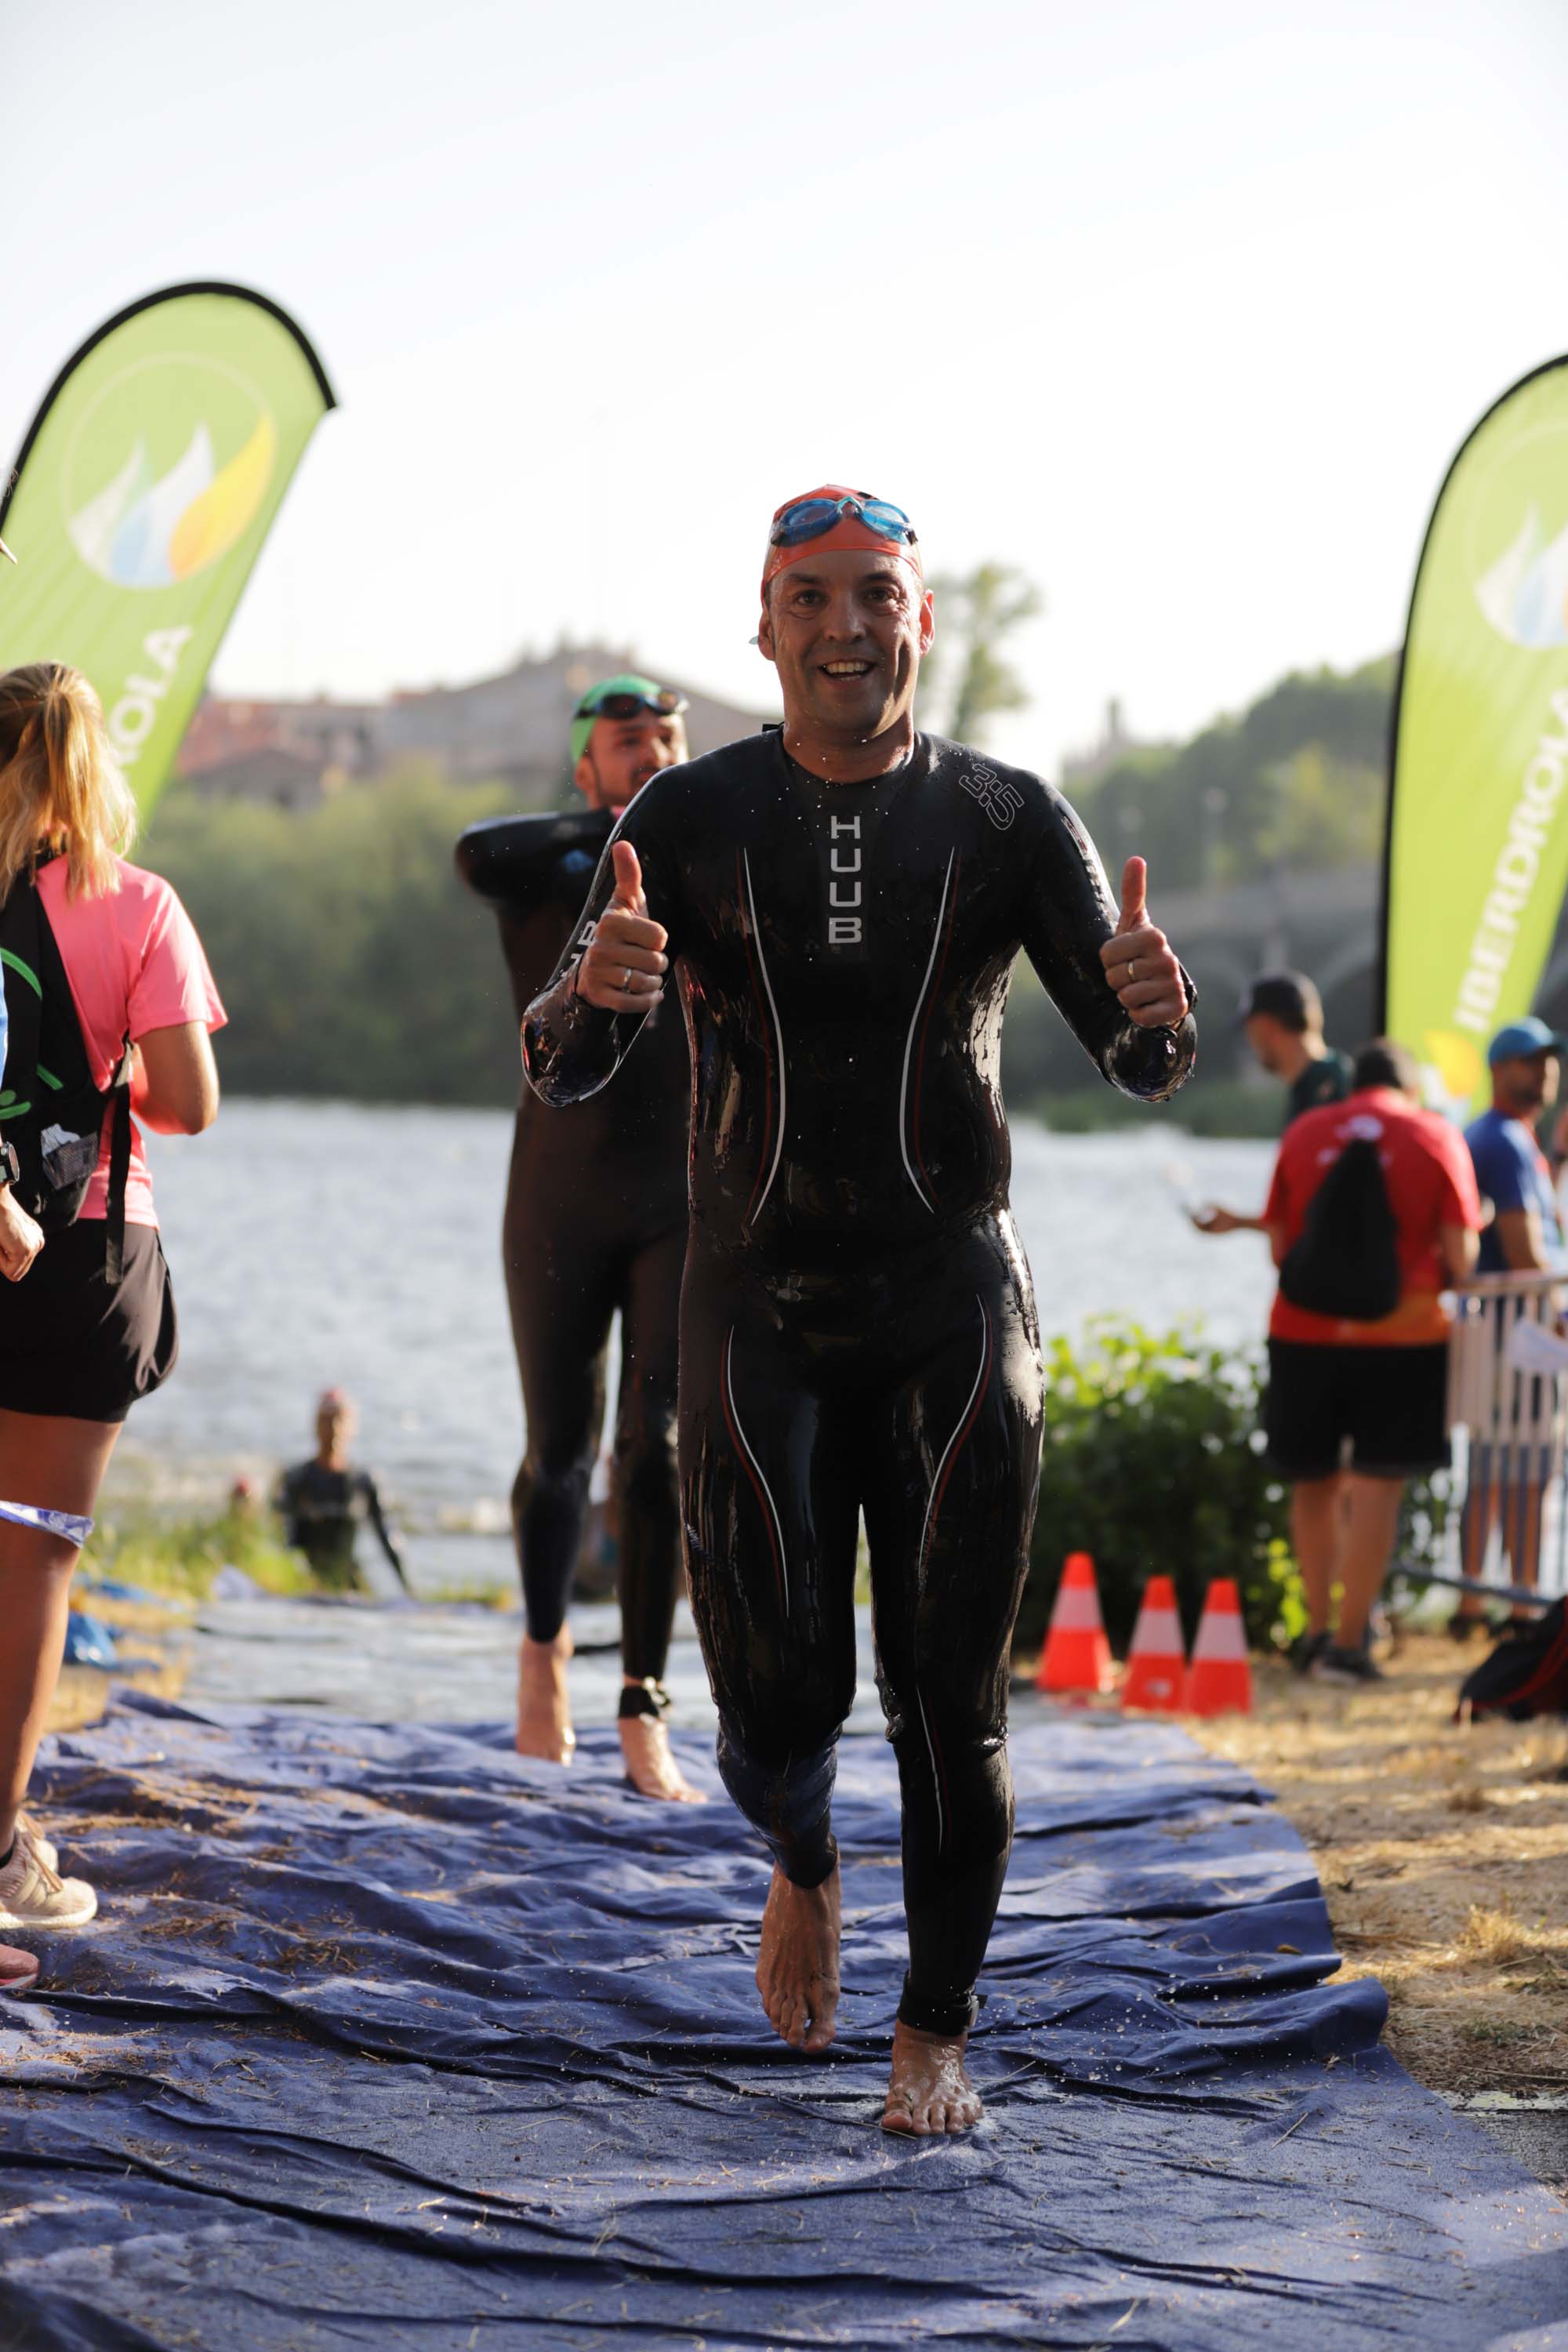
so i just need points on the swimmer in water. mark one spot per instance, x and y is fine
(842, 901)
(325, 1502)
(595, 1223)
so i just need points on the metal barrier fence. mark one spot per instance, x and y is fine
(1507, 1414)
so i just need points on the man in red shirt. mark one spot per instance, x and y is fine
(1354, 1409)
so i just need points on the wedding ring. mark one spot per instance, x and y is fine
(626, 981)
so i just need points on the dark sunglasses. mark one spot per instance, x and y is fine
(811, 517)
(665, 704)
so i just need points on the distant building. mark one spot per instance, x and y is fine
(285, 779)
(1081, 768)
(512, 729)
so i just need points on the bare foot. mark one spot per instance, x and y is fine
(543, 1713)
(797, 1967)
(927, 2090)
(18, 1970)
(651, 1768)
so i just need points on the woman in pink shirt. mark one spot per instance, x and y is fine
(87, 1318)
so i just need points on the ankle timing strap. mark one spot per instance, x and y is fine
(642, 1698)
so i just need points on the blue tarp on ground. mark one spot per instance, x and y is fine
(386, 2037)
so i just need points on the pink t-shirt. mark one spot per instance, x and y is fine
(134, 963)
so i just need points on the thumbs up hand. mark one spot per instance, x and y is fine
(1139, 965)
(622, 966)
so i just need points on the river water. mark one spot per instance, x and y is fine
(315, 1243)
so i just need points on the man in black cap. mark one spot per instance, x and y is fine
(1282, 1014)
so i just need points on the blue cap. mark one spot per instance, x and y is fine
(1521, 1039)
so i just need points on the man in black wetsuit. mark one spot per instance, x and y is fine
(325, 1502)
(595, 1221)
(842, 901)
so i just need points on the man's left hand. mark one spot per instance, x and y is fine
(1140, 964)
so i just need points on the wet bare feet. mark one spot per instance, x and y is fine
(927, 2090)
(543, 1713)
(650, 1767)
(797, 1967)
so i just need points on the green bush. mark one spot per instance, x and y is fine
(1153, 1462)
(352, 962)
(181, 1558)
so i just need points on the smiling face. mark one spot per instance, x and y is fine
(623, 754)
(847, 631)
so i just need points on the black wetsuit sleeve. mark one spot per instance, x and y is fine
(571, 1048)
(1067, 916)
(378, 1521)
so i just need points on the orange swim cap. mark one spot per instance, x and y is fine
(850, 530)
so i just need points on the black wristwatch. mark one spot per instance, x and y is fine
(10, 1166)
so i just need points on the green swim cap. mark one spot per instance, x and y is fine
(623, 697)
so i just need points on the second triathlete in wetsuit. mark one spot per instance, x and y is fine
(857, 1325)
(594, 1223)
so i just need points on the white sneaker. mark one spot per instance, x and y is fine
(46, 1852)
(34, 1895)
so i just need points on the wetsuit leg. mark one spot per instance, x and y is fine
(647, 1481)
(770, 1521)
(560, 1291)
(949, 1504)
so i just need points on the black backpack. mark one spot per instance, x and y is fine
(1346, 1261)
(1526, 1674)
(51, 1110)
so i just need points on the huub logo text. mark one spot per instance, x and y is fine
(844, 881)
(1001, 801)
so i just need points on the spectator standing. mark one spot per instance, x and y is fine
(1524, 1236)
(1282, 1014)
(323, 1503)
(87, 1316)
(1355, 1408)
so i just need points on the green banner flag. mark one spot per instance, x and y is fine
(1478, 833)
(145, 486)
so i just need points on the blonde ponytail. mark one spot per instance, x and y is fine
(60, 788)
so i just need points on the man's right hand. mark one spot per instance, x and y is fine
(623, 967)
(1223, 1221)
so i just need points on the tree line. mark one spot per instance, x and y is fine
(355, 964)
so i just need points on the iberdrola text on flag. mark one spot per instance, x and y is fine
(1478, 832)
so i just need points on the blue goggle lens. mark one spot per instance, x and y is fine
(813, 517)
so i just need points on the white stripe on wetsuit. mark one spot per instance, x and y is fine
(935, 1774)
(909, 1040)
(778, 1034)
(756, 1466)
(958, 1424)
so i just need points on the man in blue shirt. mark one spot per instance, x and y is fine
(1512, 1170)
(1507, 1479)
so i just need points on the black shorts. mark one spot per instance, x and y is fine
(71, 1345)
(1390, 1403)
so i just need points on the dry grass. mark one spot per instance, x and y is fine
(152, 1631)
(1443, 1854)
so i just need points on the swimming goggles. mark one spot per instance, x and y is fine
(665, 704)
(810, 517)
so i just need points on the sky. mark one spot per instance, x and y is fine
(1181, 309)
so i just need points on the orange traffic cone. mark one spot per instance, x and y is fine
(1157, 1660)
(1219, 1679)
(1077, 1656)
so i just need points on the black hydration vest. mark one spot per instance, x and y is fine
(51, 1110)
